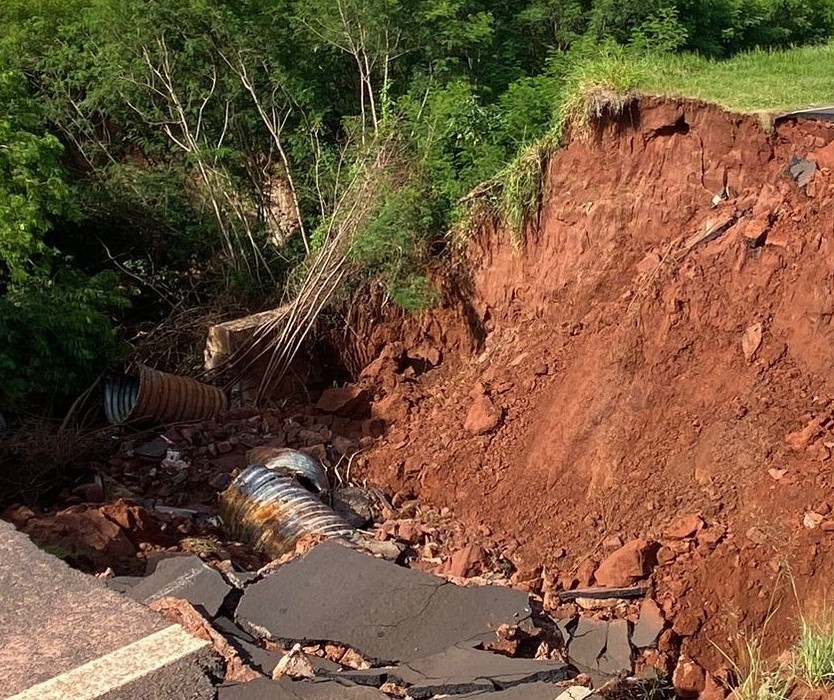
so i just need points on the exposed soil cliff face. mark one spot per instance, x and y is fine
(661, 346)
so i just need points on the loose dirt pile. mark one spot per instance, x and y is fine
(661, 348)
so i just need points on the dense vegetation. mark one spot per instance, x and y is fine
(156, 155)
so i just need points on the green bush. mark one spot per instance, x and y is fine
(56, 337)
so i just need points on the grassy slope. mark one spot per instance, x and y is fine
(759, 80)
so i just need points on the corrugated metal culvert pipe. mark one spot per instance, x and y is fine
(272, 512)
(159, 396)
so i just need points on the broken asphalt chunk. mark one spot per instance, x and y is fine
(601, 647)
(287, 689)
(462, 669)
(187, 578)
(603, 593)
(528, 691)
(649, 625)
(385, 612)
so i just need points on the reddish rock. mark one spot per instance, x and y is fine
(408, 531)
(665, 555)
(713, 690)
(689, 678)
(18, 515)
(585, 573)
(137, 523)
(88, 537)
(824, 157)
(466, 562)
(483, 417)
(684, 527)
(391, 409)
(687, 622)
(625, 566)
(349, 401)
(751, 339)
(800, 440)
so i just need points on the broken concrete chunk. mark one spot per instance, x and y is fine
(287, 689)
(385, 612)
(187, 578)
(649, 625)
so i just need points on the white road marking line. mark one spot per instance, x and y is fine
(118, 668)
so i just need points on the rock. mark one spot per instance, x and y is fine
(87, 537)
(391, 408)
(756, 535)
(824, 157)
(688, 678)
(466, 562)
(800, 440)
(649, 264)
(354, 505)
(288, 689)
(585, 573)
(625, 566)
(483, 417)
(575, 692)
(613, 542)
(425, 616)
(349, 401)
(187, 578)
(649, 625)
(776, 474)
(713, 690)
(155, 449)
(666, 555)
(224, 447)
(137, 523)
(685, 527)
(751, 339)
(812, 520)
(294, 664)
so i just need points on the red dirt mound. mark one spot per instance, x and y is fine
(662, 346)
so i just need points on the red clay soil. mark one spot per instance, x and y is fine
(651, 352)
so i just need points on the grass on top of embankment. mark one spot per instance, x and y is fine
(784, 80)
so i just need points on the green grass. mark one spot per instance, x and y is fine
(814, 652)
(759, 80)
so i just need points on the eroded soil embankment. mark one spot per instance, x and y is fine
(650, 353)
